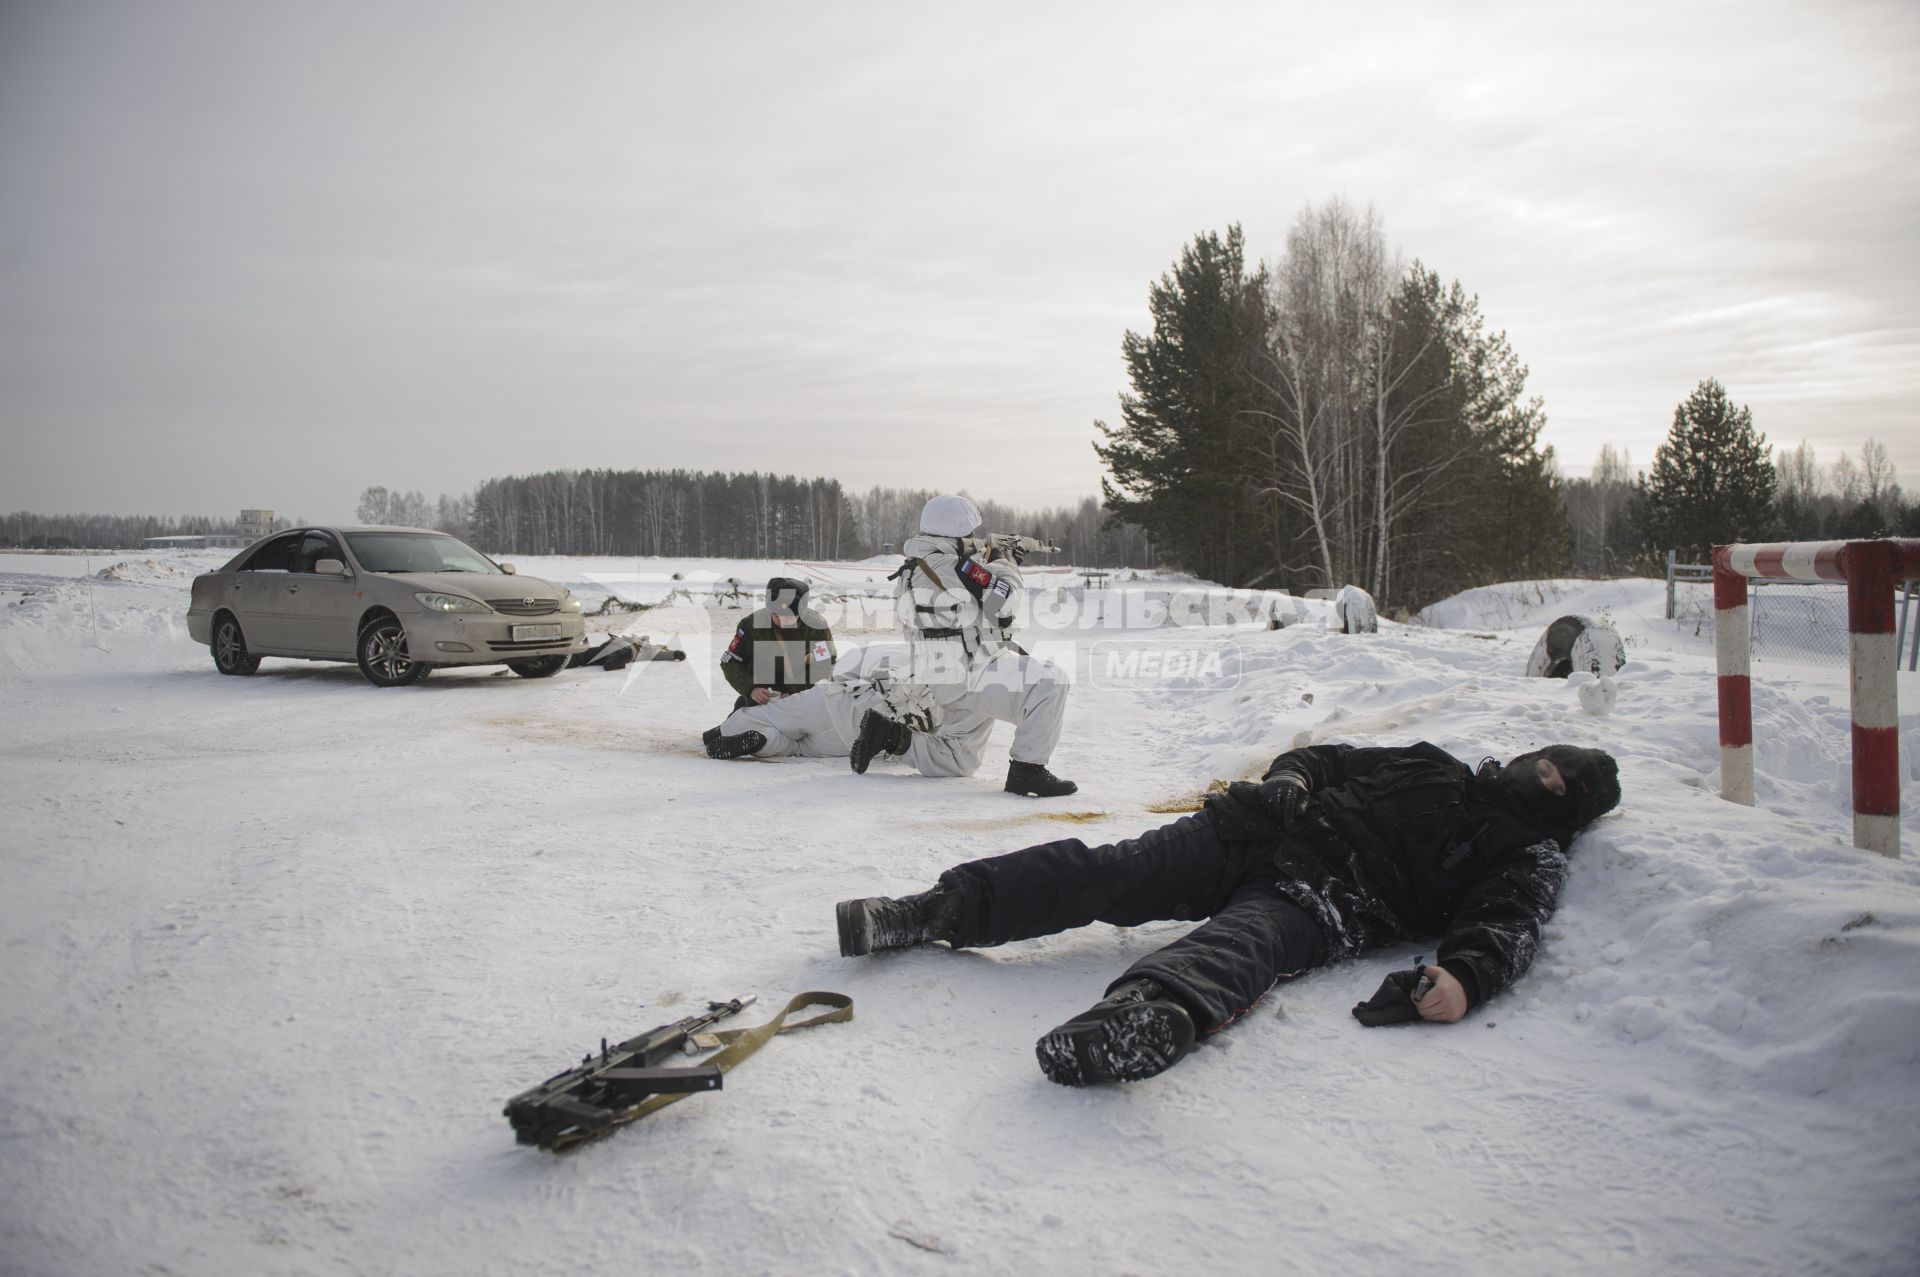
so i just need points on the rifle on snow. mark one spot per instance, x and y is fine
(626, 1082)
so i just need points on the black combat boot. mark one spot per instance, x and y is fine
(882, 922)
(878, 735)
(1134, 1032)
(740, 746)
(1036, 780)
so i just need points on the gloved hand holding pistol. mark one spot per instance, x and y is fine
(1423, 993)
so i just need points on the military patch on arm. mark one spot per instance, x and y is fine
(976, 575)
(733, 649)
(821, 652)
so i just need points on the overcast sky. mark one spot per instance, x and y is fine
(269, 254)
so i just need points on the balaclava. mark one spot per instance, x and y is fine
(1593, 784)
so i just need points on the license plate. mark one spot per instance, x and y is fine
(521, 633)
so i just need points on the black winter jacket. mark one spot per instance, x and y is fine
(1404, 843)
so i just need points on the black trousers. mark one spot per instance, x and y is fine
(587, 657)
(1252, 936)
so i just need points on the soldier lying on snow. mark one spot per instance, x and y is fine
(617, 651)
(1336, 851)
(956, 601)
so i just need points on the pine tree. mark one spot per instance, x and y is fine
(1712, 481)
(1175, 462)
(1485, 502)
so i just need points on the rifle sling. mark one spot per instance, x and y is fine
(738, 1044)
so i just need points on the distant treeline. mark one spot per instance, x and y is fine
(648, 512)
(28, 531)
(1623, 523)
(726, 515)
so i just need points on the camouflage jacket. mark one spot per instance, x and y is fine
(790, 659)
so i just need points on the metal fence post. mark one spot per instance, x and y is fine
(1913, 652)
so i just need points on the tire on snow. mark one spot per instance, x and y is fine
(1286, 612)
(1353, 612)
(1581, 643)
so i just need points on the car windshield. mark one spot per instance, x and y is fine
(416, 552)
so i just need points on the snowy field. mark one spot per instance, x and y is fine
(277, 949)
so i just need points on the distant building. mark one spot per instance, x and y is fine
(254, 524)
(210, 541)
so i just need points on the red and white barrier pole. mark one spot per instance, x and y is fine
(1733, 656)
(1870, 569)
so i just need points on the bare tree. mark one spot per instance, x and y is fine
(1342, 371)
(1303, 452)
(372, 507)
(1877, 476)
(1845, 481)
(1799, 473)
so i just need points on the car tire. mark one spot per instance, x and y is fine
(539, 667)
(382, 654)
(230, 654)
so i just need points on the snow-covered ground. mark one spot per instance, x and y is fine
(277, 949)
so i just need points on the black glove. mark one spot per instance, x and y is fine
(679, 655)
(1283, 797)
(1394, 1003)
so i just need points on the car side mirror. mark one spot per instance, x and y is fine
(507, 568)
(330, 567)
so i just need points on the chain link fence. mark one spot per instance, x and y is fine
(1803, 621)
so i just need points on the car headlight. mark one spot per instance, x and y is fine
(567, 602)
(450, 603)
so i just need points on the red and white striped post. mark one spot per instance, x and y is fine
(1870, 569)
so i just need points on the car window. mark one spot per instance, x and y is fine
(314, 547)
(275, 556)
(416, 552)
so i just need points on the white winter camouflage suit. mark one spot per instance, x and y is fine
(975, 674)
(955, 609)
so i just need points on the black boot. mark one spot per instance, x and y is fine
(878, 735)
(1035, 779)
(1134, 1032)
(719, 746)
(882, 922)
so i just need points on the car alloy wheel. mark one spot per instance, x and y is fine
(383, 655)
(230, 655)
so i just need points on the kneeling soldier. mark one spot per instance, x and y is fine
(783, 648)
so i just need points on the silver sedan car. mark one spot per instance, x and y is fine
(398, 601)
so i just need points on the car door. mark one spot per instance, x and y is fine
(256, 590)
(317, 608)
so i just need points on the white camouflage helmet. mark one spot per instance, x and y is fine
(950, 516)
